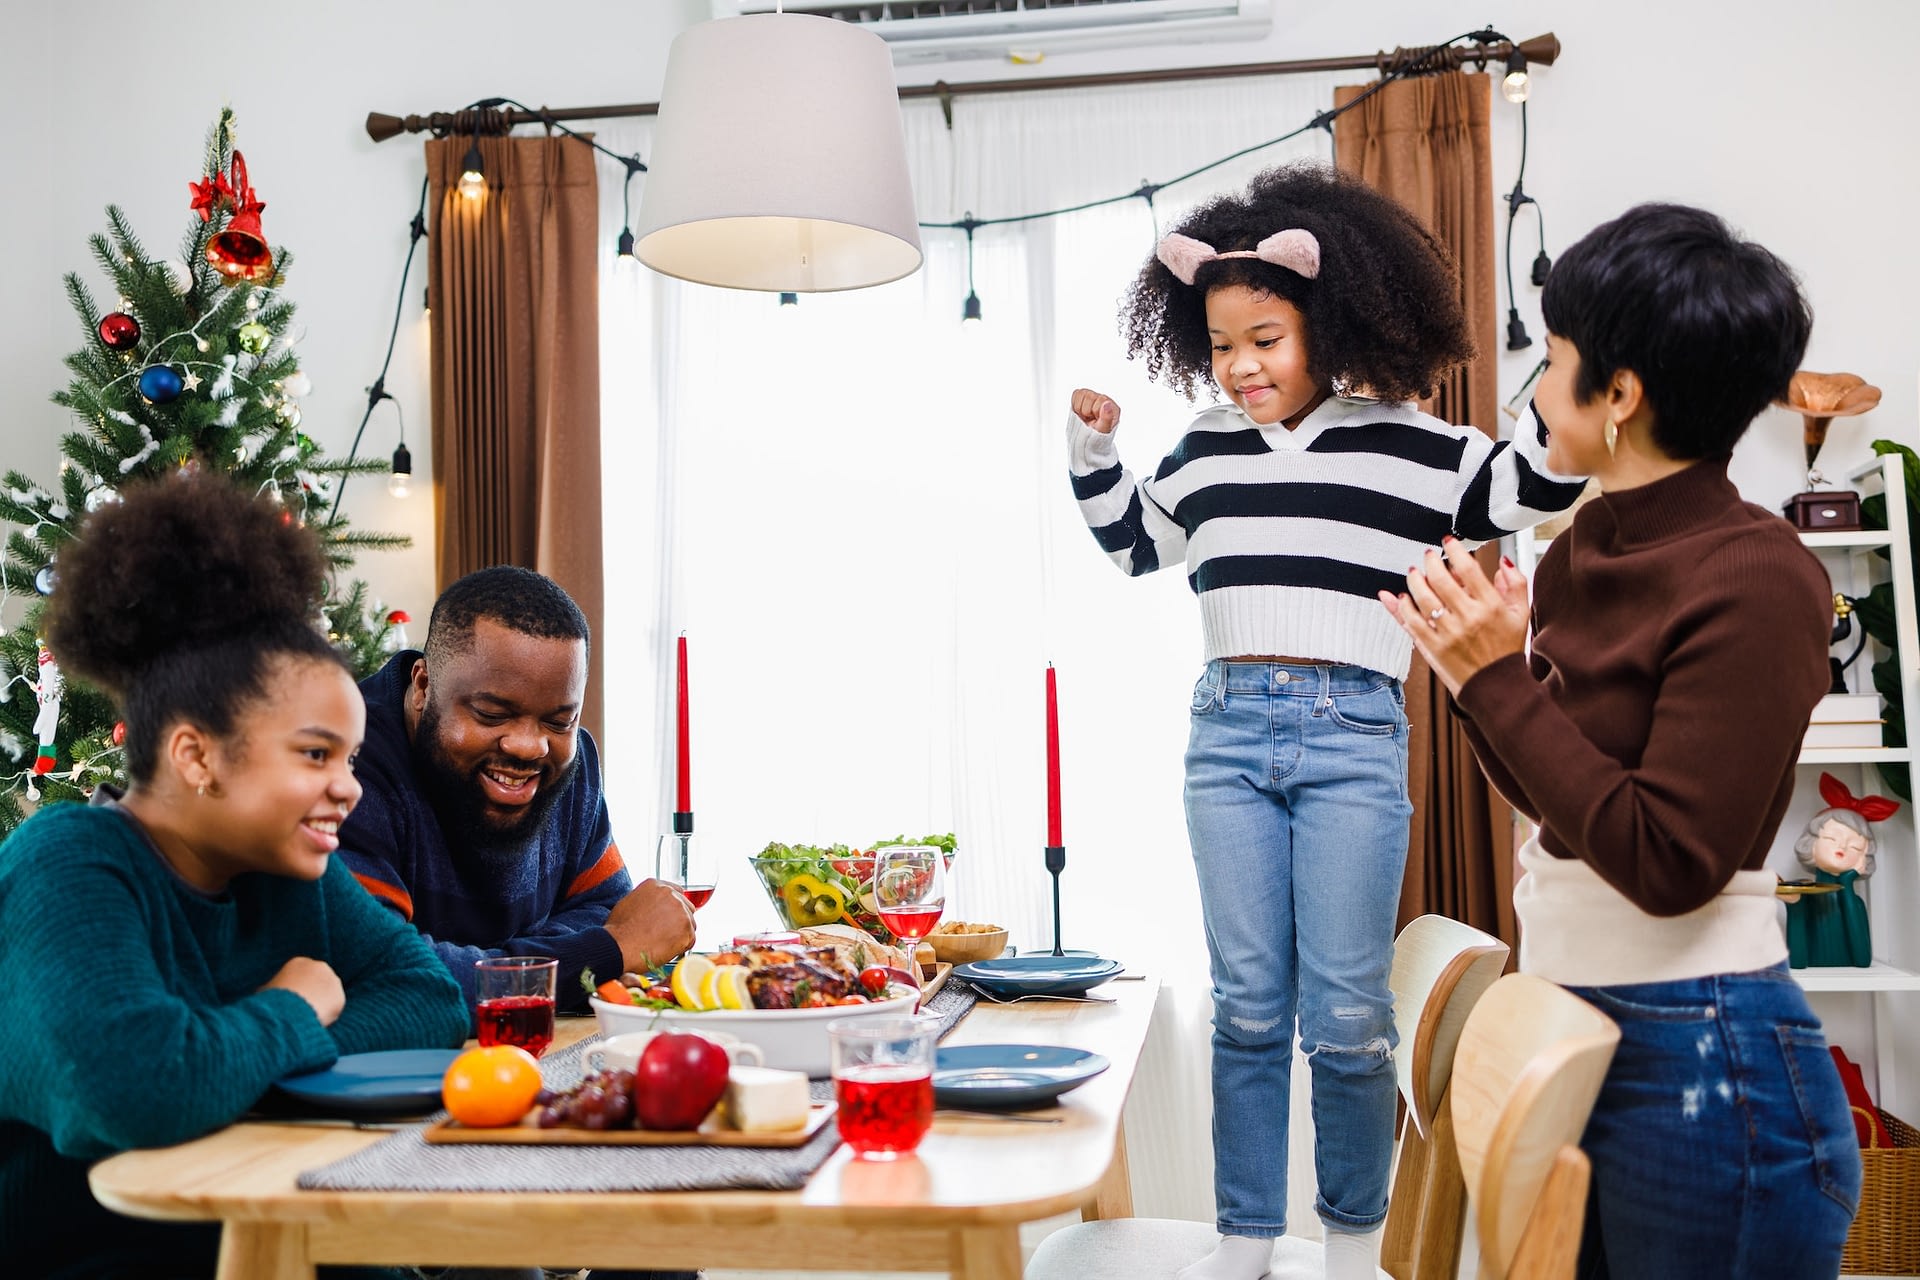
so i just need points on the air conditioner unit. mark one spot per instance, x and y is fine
(1027, 31)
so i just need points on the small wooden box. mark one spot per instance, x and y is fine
(1827, 509)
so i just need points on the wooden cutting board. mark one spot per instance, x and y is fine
(529, 1133)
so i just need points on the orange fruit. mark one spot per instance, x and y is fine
(492, 1087)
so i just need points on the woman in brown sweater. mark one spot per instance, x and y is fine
(1679, 645)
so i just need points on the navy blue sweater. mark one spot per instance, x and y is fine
(551, 901)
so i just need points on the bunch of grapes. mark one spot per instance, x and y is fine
(603, 1100)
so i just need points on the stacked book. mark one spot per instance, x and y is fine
(1846, 720)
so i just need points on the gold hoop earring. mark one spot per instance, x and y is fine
(1611, 435)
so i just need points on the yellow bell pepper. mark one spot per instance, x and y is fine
(812, 901)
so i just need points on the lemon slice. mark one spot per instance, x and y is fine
(730, 985)
(687, 977)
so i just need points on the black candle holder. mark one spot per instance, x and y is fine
(1056, 863)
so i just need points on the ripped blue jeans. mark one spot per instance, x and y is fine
(1297, 809)
(1722, 1144)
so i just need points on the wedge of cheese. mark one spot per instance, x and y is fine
(762, 1100)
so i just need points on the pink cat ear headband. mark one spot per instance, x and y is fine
(1294, 249)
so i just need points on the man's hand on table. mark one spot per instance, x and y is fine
(653, 924)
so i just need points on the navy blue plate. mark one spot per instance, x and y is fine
(1008, 1076)
(392, 1082)
(1039, 974)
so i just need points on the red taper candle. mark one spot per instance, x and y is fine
(684, 804)
(1053, 762)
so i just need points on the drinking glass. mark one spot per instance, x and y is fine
(883, 1081)
(682, 863)
(514, 1001)
(909, 889)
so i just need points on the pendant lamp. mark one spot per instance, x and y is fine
(779, 163)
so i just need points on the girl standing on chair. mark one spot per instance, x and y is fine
(1320, 309)
(1679, 644)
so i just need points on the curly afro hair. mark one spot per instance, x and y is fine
(1383, 317)
(180, 600)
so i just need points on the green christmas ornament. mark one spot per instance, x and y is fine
(253, 337)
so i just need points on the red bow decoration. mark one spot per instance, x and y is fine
(213, 192)
(218, 191)
(1872, 808)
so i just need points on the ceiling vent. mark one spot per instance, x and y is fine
(1028, 31)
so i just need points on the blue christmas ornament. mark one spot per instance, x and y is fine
(159, 384)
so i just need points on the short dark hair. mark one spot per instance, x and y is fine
(1383, 317)
(179, 599)
(518, 599)
(1713, 326)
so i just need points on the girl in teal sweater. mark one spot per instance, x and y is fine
(173, 951)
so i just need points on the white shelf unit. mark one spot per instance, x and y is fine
(1873, 1011)
(1882, 1000)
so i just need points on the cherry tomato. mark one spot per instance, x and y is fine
(661, 993)
(874, 979)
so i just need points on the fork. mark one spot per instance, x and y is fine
(1062, 999)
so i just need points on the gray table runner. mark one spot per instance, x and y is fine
(407, 1162)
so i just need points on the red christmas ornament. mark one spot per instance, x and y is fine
(119, 330)
(119, 733)
(239, 251)
(210, 194)
(398, 617)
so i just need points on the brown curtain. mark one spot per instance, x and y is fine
(514, 285)
(1424, 141)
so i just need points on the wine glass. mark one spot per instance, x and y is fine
(680, 861)
(909, 889)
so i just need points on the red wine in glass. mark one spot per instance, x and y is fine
(884, 1109)
(523, 1021)
(697, 894)
(912, 923)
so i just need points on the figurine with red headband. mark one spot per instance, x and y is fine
(1826, 918)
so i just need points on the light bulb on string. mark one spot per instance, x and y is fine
(623, 251)
(1514, 87)
(623, 255)
(400, 483)
(789, 299)
(970, 310)
(473, 173)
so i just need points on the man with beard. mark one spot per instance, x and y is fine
(482, 820)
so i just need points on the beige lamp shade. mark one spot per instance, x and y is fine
(778, 159)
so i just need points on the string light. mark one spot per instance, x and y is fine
(623, 250)
(1419, 61)
(1517, 199)
(970, 312)
(473, 172)
(400, 483)
(789, 299)
(1514, 87)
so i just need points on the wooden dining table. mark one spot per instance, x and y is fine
(955, 1205)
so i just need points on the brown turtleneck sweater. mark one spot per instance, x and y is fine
(1679, 645)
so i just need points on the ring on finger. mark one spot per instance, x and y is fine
(1435, 614)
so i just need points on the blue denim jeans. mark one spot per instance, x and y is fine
(1722, 1144)
(1297, 810)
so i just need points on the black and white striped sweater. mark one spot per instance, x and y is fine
(1287, 535)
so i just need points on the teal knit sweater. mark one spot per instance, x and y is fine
(133, 1017)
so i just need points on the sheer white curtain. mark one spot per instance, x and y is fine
(857, 509)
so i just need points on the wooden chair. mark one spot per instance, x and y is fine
(1440, 968)
(1530, 1063)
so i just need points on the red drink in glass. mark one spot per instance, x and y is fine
(884, 1109)
(697, 894)
(524, 1021)
(913, 923)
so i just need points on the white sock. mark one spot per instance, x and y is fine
(1352, 1255)
(1234, 1258)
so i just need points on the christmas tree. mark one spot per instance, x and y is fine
(193, 367)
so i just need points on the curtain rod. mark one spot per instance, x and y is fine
(1540, 51)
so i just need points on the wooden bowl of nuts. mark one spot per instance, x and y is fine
(957, 942)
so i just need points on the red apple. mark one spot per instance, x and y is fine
(678, 1080)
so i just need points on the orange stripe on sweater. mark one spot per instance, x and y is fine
(391, 894)
(610, 862)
